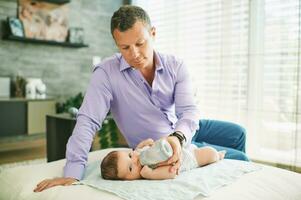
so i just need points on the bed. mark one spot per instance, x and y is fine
(268, 183)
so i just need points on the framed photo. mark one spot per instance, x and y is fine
(16, 27)
(76, 35)
(43, 20)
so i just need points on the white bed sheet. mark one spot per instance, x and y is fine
(269, 183)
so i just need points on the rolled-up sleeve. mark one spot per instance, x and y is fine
(186, 108)
(91, 114)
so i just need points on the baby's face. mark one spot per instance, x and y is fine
(128, 165)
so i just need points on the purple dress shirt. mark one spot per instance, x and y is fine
(140, 111)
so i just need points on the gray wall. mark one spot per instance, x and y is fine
(65, 70)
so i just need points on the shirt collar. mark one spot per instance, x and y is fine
(124, 65)
(158, 61)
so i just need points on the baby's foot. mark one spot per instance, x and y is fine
(222, 154)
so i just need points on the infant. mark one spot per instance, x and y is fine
(126, 164)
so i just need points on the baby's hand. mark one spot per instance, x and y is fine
(147, 142)
(145, 171)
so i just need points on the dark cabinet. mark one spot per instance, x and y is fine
(13, 118)
(59, 129)
(20, 116)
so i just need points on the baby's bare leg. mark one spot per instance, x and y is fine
(207, 155)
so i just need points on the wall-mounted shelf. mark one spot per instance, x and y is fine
(48, 42)
(58, 1)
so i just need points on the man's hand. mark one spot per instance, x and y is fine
(147, 142)
(174, 160)
(48, 183)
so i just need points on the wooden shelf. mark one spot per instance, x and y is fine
(48, 42)
(57, 1)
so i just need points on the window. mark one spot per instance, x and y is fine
(244, 58)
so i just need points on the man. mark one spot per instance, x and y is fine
(149, 96)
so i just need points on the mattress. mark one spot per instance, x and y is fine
(268, 183)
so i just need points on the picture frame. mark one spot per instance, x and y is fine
(76, 35)
(44, 20)
(15, 26)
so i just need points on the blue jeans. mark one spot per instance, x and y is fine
(222, 136)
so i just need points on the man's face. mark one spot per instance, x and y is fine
(128, 165)
(136, 45)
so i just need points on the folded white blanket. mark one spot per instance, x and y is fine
(185, 186)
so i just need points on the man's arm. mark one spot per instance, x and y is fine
(93, 111)
(186, 108)
(91, 114)
(188, 116)
(159, 173)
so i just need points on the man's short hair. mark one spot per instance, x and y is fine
(126, 16)
(108, 166)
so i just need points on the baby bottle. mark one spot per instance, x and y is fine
(160, 151)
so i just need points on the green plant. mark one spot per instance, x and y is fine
(108, 134)
(75, 101)
(109, 131)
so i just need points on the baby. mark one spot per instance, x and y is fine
(126, 165)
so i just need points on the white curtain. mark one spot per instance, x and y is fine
(244, 58)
